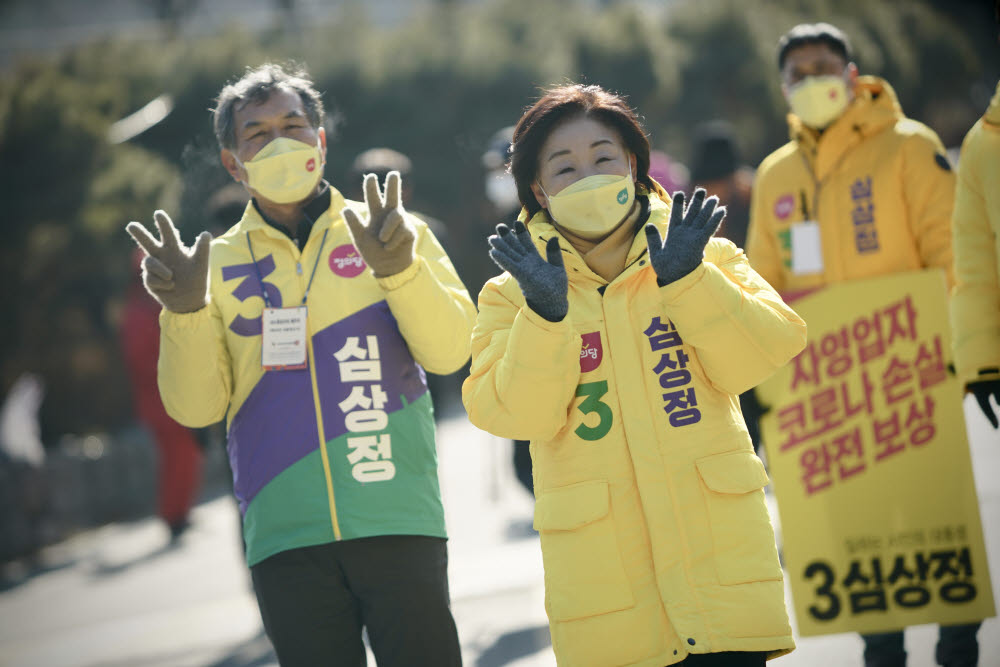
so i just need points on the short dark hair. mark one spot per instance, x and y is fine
(563, 103)
(256, 85)
(814, 33)
(714, 153)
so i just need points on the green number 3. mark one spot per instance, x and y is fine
(592, 403)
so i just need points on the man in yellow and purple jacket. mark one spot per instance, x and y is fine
(309, 326)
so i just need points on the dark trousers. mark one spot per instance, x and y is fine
(725, 659)
(315, 600)
(957, 647)
(522, 465)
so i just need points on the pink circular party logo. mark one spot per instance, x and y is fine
(590, 351)
(784, 206)
(311, 164)
(346, 261)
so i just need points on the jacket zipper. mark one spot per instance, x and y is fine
(324, 455)
(818, 186)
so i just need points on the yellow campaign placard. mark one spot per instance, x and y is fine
(868, 454)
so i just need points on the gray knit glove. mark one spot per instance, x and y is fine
(543, 283)
(687, 236)
(176, 276)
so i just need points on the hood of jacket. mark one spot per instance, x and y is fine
(875, 106)
(992, 114)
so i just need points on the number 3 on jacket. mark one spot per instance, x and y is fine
(593, 391)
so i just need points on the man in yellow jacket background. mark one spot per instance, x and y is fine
(975, 299)
(308, 326)
(860, 191)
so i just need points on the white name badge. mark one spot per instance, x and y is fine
(807, 250)
(284, 344)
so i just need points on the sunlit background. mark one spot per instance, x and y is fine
(104, 117)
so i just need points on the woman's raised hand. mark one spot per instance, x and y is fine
(687, 235)
(542, 281)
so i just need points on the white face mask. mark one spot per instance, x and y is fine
(593, 206)
(501, 190)
(819, 100)
(284, 171)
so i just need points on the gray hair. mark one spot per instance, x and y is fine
(256, 86)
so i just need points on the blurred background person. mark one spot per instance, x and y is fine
(716, 165)
(669, 173)
(179, 456)
(224, 206)
(501, 192)
(975, 299)
(380, 161)
(502, 205)
(24, 486)
(849, 135)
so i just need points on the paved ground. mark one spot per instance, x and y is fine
(120, 596)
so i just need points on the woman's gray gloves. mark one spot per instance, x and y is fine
(687, 236)
(542, 282)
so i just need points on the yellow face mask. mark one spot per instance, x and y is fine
(285, 171)
(593, 206)
(819, 100)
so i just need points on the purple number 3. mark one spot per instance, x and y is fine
(251, 286)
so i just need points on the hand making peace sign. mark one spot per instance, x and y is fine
(386, 240)
(176, 276)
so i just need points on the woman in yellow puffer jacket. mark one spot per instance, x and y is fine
(975, 224)
(620, 356)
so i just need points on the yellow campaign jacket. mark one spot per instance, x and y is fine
(975, 299)
(878, 184)
(655, 536)
(344, 448)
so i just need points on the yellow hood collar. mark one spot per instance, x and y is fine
(875, 105)
(252, 219)
(992, 114)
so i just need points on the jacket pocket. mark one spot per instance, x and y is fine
(584, 574)
(743, 538)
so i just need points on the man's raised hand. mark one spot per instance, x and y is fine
(386, 239)
(176, 276)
